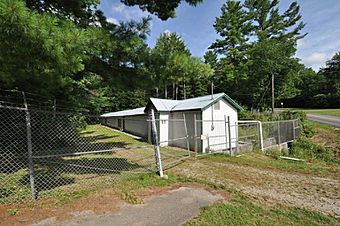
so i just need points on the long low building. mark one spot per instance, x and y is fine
(197, 124)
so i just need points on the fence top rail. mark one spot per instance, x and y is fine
(13, 108)
(278, 121)
(215, 120)
(174, 120)
(89, 152)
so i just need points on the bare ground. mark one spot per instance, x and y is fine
(93, 207)
(321, 194)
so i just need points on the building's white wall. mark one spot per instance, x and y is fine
(215, 118)
(163, 125)
(112, 122)
(136, 125)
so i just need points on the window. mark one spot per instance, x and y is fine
(217, 106)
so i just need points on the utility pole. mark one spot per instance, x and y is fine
(273, 94)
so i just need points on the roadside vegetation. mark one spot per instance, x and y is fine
(334, 112)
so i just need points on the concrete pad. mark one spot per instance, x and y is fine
(171, 209)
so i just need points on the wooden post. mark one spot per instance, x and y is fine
(29, 148)
(156, 144)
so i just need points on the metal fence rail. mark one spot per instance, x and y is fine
(44, 152)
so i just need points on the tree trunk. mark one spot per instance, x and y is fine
(165, 92)
(273, 94)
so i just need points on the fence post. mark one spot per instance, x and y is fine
(186, 133)
(236, 131)
(156, 144)
(226, 133)
(293, 129)
(229, 136)
(195, 136)
(278, 134)
(29, 148)
(261, 135)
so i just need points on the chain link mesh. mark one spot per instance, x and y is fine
(69, 152)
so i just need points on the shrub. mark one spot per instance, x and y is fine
(305, 149)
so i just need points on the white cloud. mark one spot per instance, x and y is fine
(300, 43)
(315, 58)
(113, 20)
(167, 31)
(127, 12)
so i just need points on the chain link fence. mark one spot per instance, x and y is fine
(47, 153)
(276, 133)
(44, 153)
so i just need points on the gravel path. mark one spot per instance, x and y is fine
(293, 189)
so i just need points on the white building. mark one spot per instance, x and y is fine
(197, 123)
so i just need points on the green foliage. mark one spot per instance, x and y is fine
(171, 64)
(258, 42)
(163, 9)
(306, 128)
(318, 90)
(305, 149)
(12, 212)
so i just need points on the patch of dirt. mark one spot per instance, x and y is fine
(156, 191)
(106, 201)
(293, 189)
(101, 203)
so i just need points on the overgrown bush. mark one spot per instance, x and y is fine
(306, 128)
(305, 149)
(247, 115)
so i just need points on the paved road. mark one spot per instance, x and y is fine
(172, 209)
(325, 119)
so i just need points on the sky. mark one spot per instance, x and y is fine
(195, 26)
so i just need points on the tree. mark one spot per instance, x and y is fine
(234, 27)
(331, 75)
(258, 42)
(163, 9)
(169, 57)
(172, 64)
(268, 23)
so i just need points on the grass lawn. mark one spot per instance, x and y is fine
(259, 160)
(334, 112)
(78, 174)
(243, 211)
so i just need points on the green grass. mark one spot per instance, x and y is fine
(67, 181)
(259, 160)
(334, 112)
(242, 211)
(64, 181)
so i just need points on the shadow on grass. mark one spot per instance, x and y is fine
(56, 172)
